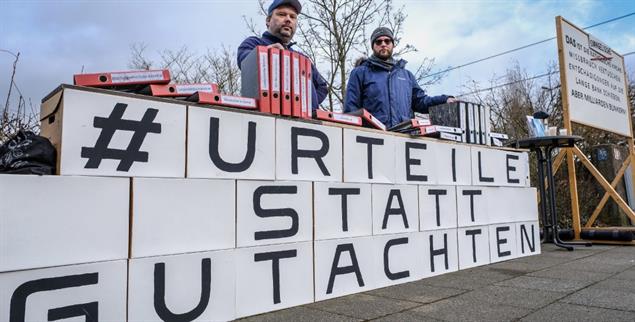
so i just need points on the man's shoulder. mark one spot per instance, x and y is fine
(360, 65)
(253, 41)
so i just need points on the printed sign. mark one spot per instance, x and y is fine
(594, 79)
(273, 213)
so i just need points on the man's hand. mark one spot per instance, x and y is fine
(276, 45)
(451, 100)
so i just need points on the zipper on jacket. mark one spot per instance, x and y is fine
(389, 100)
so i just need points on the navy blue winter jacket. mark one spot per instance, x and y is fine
(391, 95)
(319, 88)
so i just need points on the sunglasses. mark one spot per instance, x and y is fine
(387, 41)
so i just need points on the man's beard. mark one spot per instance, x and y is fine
(386, 54)
(284, 33)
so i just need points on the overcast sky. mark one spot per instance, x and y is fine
(56, 39)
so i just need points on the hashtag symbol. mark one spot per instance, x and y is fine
(109, 126)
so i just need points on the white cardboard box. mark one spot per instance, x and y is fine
(395, 208)
(331, 199)
(172, 216)
(84, 291)
(197, 285)
(223, 144)
(53, 221)
(369, 157)
(308, 152)
(345, 266)
(273, 277)
(273, 212)
(492, 167)
(115, 135)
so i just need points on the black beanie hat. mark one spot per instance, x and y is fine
(381, 31)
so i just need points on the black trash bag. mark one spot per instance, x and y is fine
(28, 153)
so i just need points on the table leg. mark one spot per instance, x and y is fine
(546, 222)
(552, 201)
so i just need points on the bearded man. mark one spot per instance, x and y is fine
(383, 86)
(282, 21)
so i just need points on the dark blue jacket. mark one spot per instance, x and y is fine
(391, 95)
(319, 88)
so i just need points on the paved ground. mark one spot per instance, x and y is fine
(588, 284)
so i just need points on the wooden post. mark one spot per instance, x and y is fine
(573, 185)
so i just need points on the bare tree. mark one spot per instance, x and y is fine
(20, 117)
(515, 95)
(215, 66)
(223, 70)
(334, 33)
(138, 59)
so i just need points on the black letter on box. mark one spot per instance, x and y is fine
(453, 165)
(500, 241)
(296, 153)
(344, 192)
(472, 193)
(409, 161)
(394, 211)
(473, 233)
(481, 178)
(159, 293)
(89, 310)
(17, 308)
(398, 275)
(532, 244)
(369, 151)
(281, 212)
(275, 258)
(510, 168)
(440, 251)
(215, 155)
(436, 193)
(336, 270)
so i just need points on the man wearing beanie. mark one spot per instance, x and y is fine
(383, 86)
(281, 21)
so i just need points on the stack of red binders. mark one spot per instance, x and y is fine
(280, 80)
(125, 81)
(156, 83)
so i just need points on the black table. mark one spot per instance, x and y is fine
(543, 146)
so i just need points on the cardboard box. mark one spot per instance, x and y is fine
(99, 132)
(51, 221)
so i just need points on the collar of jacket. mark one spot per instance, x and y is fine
(273, 39)
(398, 64)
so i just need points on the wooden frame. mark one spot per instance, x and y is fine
(576, 152)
